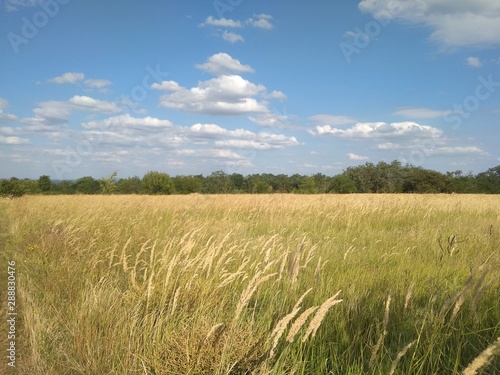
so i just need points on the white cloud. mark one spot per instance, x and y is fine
(127, 121)
(70, 77)
(224, 95)
(13, 140)
(474, 62)
(326, 119)
(454, 23)
(5, 117)
(51, 115)
(270, 120)
(222, 63)
(458, 150)
(86, 103)
(261, 21)
(436, 147)
(241, 138)
(356, 157)
(222, 22)
(418, 112)
(166, 86)
(209, 153)
(14, 5)
(231, 37)
(276, 95)
(97, 83)
(382, 130)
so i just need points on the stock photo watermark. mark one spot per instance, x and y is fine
(30, 27)
(361, 38)
(484, 90)
(460, 111)
(223, 6)
(86, 147)
(11, 313)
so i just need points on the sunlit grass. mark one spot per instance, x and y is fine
(213, 284)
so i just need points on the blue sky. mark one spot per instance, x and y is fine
(262, 86)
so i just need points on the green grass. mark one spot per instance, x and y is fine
(134, 284)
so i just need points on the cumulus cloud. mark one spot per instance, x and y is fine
(221, 22)
(51, 116)
(5, 117)
(13, 140)
(232, 37)
(261, 21)
(74, 78)
(474, 62)
(222, 63)
(454, 23)
(270, 120)
(127, 121)
(86, 103)
(352, 156)
(97, 83)
(241, 138)
(382, 130)
(70, 77)
(224, 95)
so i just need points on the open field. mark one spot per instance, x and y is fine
(264, 284)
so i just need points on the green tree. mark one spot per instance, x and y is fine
(130, 185)
(87, 185)
(11, 188)
(489, 181)
(342, 184)
(217, 182)
(187, 184)
(44, 184)
(64, 187)
(308, 186)
(157, 183)
(108, 184)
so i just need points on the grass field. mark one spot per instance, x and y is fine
(263, 284)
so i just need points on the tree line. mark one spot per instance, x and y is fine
(368, 178)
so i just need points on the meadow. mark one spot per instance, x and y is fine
(254, 284)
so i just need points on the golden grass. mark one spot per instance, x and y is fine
(248, 284)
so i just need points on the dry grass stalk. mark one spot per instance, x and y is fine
(320, 315)
(124, 256)
(249, 291)
(301, 298)
(215, 331)
(483, 359)
(294, 264)
(398, 357)
(478, 290)
(384, 331)
(299, 322)
(280, 329)
(386, 314)
(408, 295)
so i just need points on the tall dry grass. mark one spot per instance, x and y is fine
(249, 284)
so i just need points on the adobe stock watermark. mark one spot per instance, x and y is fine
(484, 90)
(460, 111)
(11, 313)
(85, 147)
(139, 93)
(362, 37)
(223, 6)
(30, 27)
